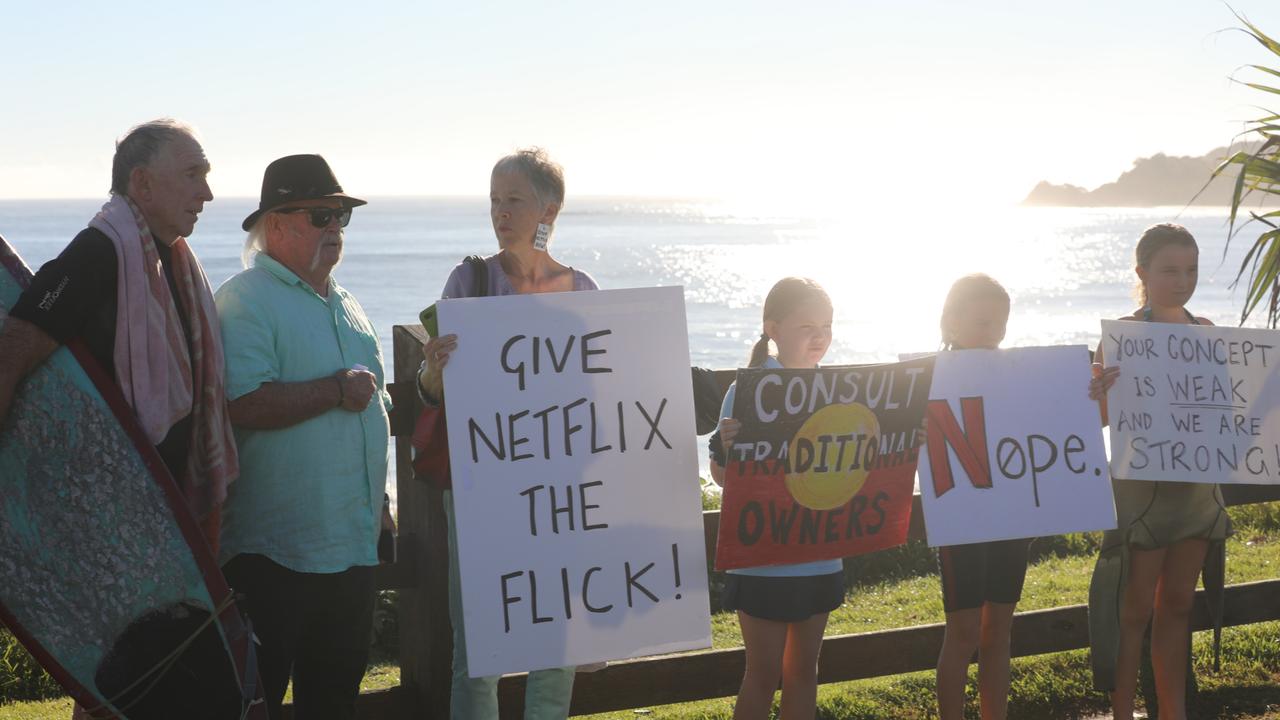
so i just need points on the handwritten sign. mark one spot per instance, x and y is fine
(1193, 403)
(575, 478)
(1015, 447)
(823, 464)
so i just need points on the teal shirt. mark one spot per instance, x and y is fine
(309, 496)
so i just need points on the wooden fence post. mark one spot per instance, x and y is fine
(426, 643)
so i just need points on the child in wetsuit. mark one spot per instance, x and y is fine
(981, 582)
(782, 609)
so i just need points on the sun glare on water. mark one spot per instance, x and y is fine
(888, 271)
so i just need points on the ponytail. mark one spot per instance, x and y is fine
(759, 351)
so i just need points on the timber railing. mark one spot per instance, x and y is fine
(420, 573)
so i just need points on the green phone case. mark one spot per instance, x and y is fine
(429, 321)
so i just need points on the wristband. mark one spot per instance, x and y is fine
(342, 395)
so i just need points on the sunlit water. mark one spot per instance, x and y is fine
(887, 272)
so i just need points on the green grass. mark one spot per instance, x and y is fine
(1048, 687)
(378, 677)
(900, 589)
(59, 709)
(1044, 687)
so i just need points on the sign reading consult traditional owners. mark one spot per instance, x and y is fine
(1193, 403)
(823, 464)
(573, 450)
(1015, 447)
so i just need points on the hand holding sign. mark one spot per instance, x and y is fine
(435, 356)
(1102, 380)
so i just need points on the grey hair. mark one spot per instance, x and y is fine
(141, 145)
(545, 174)
(255, 242)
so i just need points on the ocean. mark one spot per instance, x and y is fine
(886, 271)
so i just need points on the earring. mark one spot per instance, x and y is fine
(541, 237)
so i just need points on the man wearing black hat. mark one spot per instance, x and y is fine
(307, 401)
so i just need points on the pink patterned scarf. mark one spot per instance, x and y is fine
(161, 379)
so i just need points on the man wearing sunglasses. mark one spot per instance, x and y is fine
(309, 408)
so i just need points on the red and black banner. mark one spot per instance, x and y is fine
(824, 463)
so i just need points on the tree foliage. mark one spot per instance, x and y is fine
(1258, 178)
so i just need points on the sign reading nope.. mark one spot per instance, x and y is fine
(1015, 447)
(822, 465)
(575, 478)
(1193, 403)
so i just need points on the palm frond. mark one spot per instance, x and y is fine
(1257, 172)
(1267, 70)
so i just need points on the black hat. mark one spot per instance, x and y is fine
(294, 178)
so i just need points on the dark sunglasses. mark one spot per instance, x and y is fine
(322, 216)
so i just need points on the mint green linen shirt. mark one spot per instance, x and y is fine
(309, 496)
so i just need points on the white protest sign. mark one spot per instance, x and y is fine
(575, 478)
(1014, 447)
(1193, 403)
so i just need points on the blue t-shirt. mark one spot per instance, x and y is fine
(816, 567)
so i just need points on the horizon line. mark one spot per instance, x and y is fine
(404, 196)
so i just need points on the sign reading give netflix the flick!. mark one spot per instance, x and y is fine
(1015, 447)
(1193, 403)
(574, 467)
(823, 464)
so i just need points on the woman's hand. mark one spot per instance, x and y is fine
(435, 353)
(1103, 379)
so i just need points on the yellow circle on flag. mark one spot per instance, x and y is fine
(831, 481)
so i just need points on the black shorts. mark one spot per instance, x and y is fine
(982, 572)
(783, 599)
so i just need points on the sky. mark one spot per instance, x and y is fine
(809, 104)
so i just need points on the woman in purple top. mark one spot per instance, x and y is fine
(526, 192)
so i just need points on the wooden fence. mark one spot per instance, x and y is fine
(421, 576)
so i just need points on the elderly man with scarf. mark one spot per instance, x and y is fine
(131, 289)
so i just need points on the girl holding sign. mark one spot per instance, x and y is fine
(1147, 568)
(782, 609)
(981, 582)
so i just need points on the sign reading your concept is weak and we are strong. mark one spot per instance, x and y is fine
(575, 478)
(1193, 403)
(1015, 447)
(823, 464)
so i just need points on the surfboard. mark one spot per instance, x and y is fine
(105, 576)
